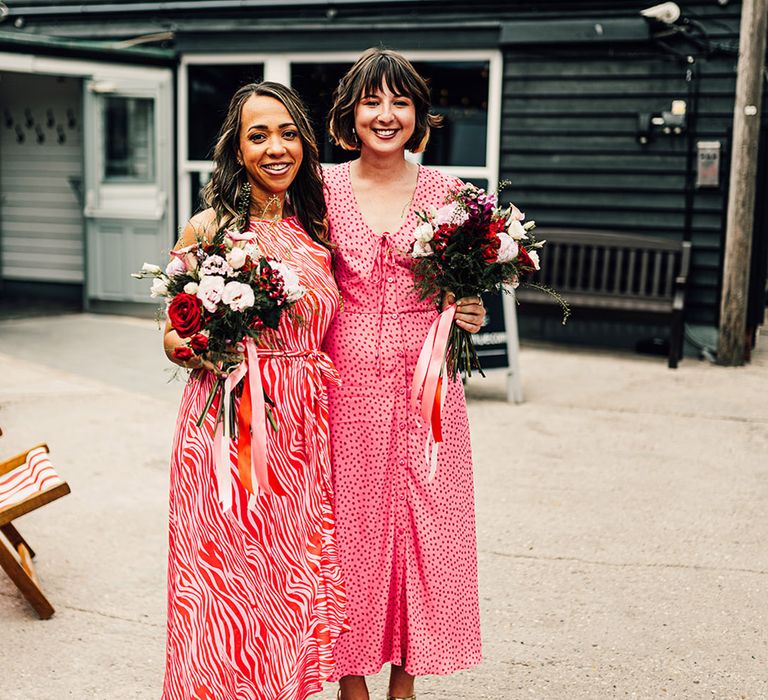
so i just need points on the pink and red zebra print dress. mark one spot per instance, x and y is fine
(255, 595)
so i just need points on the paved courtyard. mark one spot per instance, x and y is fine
(621, 509)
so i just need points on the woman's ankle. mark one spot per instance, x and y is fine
(353, 688)
(401, 684)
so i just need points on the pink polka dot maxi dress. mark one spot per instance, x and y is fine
(407, 546)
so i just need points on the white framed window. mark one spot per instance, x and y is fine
(465, 85)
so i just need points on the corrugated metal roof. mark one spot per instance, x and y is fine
(18, 41)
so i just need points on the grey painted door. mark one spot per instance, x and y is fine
(128, 174)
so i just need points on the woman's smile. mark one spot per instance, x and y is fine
(387, 133)
(277, 169)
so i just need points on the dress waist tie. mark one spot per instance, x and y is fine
(252, 467)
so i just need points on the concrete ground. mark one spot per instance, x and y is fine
(621, 522)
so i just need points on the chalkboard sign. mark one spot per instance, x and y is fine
(491, 341)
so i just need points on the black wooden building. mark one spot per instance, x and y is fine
(568, 101)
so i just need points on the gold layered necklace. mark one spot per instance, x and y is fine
(271, 214)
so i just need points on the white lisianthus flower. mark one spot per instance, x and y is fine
(190, 288)
(421, 250)
(294, 290)
(236, 258)
(175, 267)
(424, 233)
(508, 249)
(528, 226)
(533, 255)
(515, 214)
(516, 230)
(210, 290)
(159, 287)
(151, 269)
(237, 296)
(215, 265)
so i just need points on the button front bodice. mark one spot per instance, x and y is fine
(374, 271)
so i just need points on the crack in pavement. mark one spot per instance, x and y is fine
(620, 565)
(114, 617)
(111, 616)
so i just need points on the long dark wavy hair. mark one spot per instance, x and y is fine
(305, 195)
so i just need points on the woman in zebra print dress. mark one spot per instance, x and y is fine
(255, 595)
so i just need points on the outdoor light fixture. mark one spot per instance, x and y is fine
(669, 122)
(666, 12)
(3, 11)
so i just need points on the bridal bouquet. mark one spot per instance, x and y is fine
(471, 246)
(221, 293)
(222, 296)
(468, 246)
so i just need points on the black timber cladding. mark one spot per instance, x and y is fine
(570, 100)
(569, 139)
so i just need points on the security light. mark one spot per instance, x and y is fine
(666, 12)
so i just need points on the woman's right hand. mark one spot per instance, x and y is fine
(202, 362)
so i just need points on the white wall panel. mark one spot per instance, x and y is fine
(41, 169)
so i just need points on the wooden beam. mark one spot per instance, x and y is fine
(732, 345)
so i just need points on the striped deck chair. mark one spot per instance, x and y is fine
(27, 481)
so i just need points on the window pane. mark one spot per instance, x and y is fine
(460, 94)
(198, 180)
(315, 82)
(129, 139)
(210, 89)
(477, 181)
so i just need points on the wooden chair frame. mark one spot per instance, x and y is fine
(16, 560)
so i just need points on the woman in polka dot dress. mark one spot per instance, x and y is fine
(407, 545)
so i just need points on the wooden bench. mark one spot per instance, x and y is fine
(27, 482)
(618, 275)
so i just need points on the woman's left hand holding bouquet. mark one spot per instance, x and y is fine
(470, 312)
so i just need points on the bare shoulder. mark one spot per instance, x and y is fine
(200, 227)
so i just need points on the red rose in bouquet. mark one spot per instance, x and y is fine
(185, 314)
(183, 353)
(199, 342)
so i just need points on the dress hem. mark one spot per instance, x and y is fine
(444, 670)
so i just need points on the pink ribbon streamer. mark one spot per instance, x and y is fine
(223, 435)
(322, 372)
(430, 369)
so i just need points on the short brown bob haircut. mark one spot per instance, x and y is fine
(372, 70)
